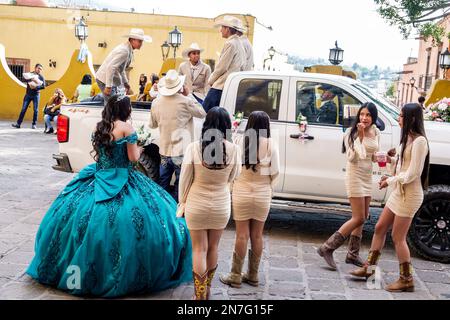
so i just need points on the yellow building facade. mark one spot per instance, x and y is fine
(43, 35)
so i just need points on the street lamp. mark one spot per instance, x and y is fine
(412, 82)
(444, 61)
(81, 30)
(165, 48)
(175, 40)
(271, 52)
(336, 55)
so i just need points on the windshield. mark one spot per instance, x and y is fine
(378, 99)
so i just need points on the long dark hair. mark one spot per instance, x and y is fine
(354, 128)
(117, 108)
(143, 82)
(413, 125)
(258, 121)
(217, 121)
(87, 79)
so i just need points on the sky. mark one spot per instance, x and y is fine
(304, 28)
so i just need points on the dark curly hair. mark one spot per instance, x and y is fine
(117, 108)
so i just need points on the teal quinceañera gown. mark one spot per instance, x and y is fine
(112, 232)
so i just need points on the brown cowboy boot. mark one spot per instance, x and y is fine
(354, 244)
(234, 278)
(200, 284)
(367, 270)
(211, 274)
(406, 282)
(326, 250)
(251, 277)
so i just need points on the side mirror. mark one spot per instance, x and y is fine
(380, 124)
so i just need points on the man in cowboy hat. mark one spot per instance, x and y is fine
(173, 112)
(231, 59)
(196, 71)
(112, 73)
(328, 110)
(248, 48)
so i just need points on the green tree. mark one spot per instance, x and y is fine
(390, 91)
(415, 15)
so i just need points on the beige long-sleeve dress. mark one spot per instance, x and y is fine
(358, 176)
(252, 191)
(204, 193)
(407, 196)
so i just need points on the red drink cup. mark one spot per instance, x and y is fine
(381, 159)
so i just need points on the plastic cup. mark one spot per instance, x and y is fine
(381, 158)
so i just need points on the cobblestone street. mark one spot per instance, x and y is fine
(290, 268)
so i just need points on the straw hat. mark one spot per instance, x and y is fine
(171, 83)
(193, 47)
(138, 34)
(230, 21)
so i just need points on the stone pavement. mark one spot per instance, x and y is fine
(290, 267)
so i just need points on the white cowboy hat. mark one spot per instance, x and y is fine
(171, 83)
(230, 21)
(193, 47)
(138, 34)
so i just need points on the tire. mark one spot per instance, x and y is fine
(149, 162)
(429, 235)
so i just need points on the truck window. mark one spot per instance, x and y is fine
(322, 103)
(259, 95)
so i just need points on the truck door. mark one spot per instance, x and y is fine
(315, 168)
(264, 93)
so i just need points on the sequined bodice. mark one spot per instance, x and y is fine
(119, 154)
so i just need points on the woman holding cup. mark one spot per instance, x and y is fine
(409, 180)
(361, 142)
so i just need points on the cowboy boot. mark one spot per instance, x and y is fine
(211, 274)
(367, 270)
(405, 283)
(200, 285)
(354, 244)
(234, 278)
(326, 250)
(251, 277)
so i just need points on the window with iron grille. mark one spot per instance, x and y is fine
(428, 81)
(18, 67)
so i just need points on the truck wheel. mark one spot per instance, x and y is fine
(429, 235)
(149, 162)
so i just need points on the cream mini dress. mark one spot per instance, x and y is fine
(358, 177)
(407, 194)
(252, 190)
(204, 193)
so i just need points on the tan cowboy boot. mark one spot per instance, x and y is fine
(354, 244)
(406, 282)
(200, 285)
(211, 274)
(251, 277)
(367, 270)
(326, 250)
(234, 278)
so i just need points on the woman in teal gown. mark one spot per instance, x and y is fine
(112, 231)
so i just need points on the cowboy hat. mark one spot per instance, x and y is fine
(327, 87)
(231, 22)
(138, 34)
(193, 47)
(171, 83)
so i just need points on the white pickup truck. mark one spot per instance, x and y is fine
(312, 170)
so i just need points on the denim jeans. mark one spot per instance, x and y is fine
(26, 102)
(48, 121)
(102, 87)
(212, 99)
(169, 166)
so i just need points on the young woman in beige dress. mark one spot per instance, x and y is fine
(361, 141)
(408, 183)
(209, 166)
(252, 195)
